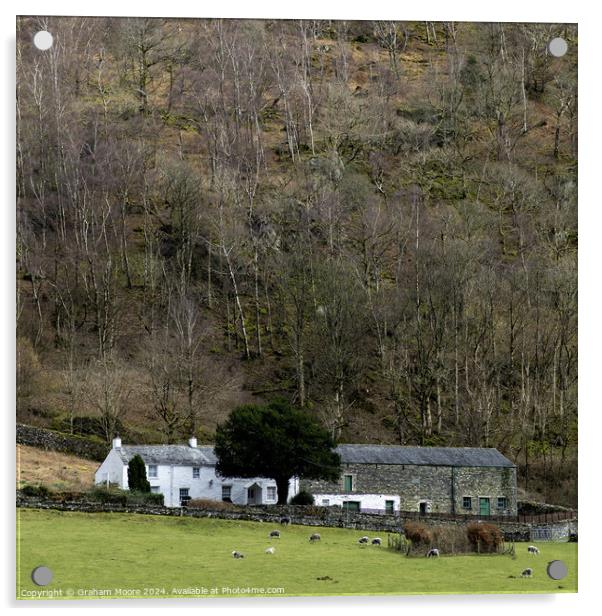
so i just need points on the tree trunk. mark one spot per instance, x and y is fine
(282, 486)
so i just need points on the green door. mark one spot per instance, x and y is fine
(389, 506)
(348, 483)
(484, 509)
(351, 506)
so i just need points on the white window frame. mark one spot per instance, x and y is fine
(153, 474)
(184, 497)
(271, 493)
(156, 489)
(196, 472)
(229, 488)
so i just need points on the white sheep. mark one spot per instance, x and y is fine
(533, 550)
(363, 539)
(433, 553)
(270, 550)
(377, 541)
(528, 572)
(236, 554)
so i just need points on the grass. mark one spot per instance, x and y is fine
(138, 553)
(57, 471)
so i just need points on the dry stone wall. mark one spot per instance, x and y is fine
(306, 516)
(58, 441)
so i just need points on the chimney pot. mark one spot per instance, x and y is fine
(116, 443)
(192, 441)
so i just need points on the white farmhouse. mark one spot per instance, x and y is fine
(184, 472)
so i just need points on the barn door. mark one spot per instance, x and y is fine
(351, 506)
(484, 508)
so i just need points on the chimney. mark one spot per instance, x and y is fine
(192, 441)
(117, 443)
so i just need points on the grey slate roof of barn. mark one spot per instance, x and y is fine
(184, 455)
(422, 456)
(178, 455)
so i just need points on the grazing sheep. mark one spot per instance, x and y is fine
(433, 553)
(377, 541)
(275, 533)
(528, 572)
(236, 554)
(363, 539)
(533, 550)
(270, 550)
(285, 521)
(315, 537)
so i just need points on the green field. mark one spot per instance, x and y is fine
(157, 556)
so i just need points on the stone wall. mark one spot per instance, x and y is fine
(58, 441)
(306, 516)
(442, 488)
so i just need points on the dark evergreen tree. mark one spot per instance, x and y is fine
(276, 441)
(137, 480)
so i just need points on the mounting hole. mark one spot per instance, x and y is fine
(558, 47)
(557, 570)
(41, 576)
(43, 40)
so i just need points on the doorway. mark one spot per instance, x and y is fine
(351, 506)
(484, 506)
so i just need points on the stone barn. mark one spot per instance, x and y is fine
(388, 478)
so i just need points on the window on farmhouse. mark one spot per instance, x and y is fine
(389, 506)
(184, 496)
(155, 489)
(325, 502)
(152, 471)
(467, 502)
(227, 494)
(348, 483)
(502, 502)
(196, 472)
(271, 493)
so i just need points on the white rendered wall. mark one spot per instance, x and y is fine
(112, 470)
(170, 479)
(367, 501)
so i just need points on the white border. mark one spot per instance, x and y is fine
(590, 227)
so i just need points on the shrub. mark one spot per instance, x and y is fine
(155, 498)
(484, 537)
(39, 491)
(103, 495)
(69, 495)
(137, 480)
(418, 534)
(135, 497)
(451, 539)
(302, 498)
(315, 511)
(215, 505)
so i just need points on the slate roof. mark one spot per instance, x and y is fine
(178, 455)
(422, 456)
(184, 455)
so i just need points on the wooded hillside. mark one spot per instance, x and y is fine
(375, 220)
